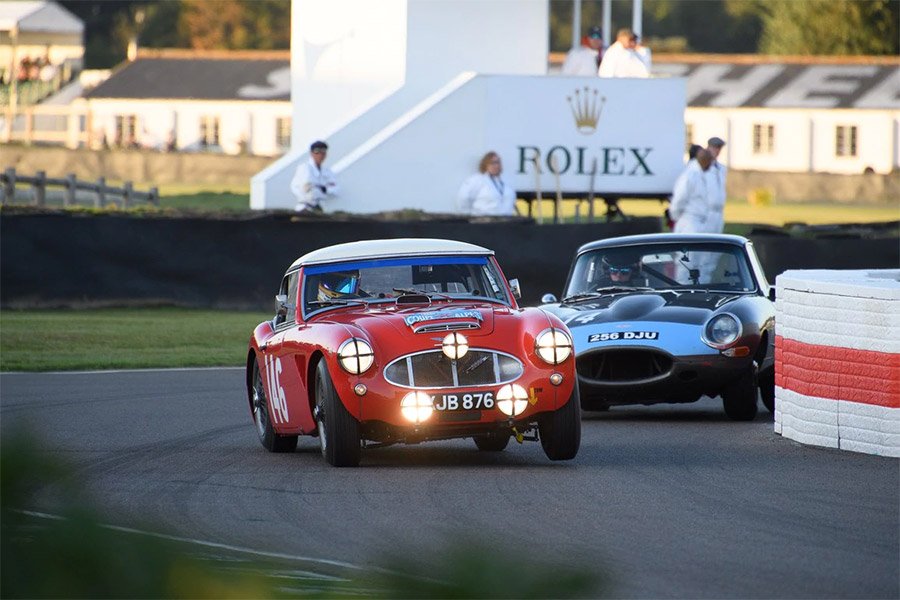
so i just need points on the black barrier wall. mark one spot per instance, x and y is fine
(62, 260)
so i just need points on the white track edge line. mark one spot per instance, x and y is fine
(115, 371)
(175, 538)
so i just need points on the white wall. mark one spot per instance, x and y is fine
(385, 58)
(345, 55)
(254, 121)
(874, 141)
(518, 116)
(804, 138)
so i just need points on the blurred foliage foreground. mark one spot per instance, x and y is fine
(73, 555)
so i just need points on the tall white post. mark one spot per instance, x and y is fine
(607, 23)
(576, 23)
(637, 18)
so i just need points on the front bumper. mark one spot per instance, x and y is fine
(379, 409)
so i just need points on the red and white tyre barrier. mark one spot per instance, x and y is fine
(837, 359)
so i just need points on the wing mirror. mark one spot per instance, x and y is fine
(514, 286)
(548, 299)
(282, 305)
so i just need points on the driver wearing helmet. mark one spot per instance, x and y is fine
(622, 269)
(338, 284)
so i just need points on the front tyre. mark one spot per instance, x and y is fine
(561, 431)
(270, 440)
(740, 398)
(494, 441)
(338, 430)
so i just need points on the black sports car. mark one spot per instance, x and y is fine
(670, 318)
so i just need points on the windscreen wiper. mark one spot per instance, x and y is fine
(579, 296)
(336, 302)
(407, 291)
(615, 289)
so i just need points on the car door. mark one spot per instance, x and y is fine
(288, 402)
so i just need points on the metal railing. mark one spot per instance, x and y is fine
(101, 193)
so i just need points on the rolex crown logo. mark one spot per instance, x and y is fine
(586, 109)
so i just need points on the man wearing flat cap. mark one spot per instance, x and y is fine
(314, 182)
(584, 59)
(715, 177)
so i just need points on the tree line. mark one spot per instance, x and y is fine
(782, 27)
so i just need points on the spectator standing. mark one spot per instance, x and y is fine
(716, 182)
(621, 59)
(585, 59)
(692, 158)
(312, 182)
(690, 199)
(487, 193)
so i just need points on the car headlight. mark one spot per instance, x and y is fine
(512, 399)
(416, 407)
(455, 345)
(722, 331)
(553, 346)
(356, 356)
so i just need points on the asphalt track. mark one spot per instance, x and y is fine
(670, 501)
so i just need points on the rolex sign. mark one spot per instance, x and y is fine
(628, 133)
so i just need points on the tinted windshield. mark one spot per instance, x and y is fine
(663, 267)
(383, 280)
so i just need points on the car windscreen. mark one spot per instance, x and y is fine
(379, 280)
(666, 266)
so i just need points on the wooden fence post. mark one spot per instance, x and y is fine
(69, 196)
(10, 195)
(126, 196)
(40, 188)
(101, 193)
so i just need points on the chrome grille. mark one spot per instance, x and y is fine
(433, 370)
(431, 327)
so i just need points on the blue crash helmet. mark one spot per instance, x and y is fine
(337, 284)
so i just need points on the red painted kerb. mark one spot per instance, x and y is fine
(830, 372)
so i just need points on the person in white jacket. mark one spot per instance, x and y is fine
(487, 193)
(312, 182)
(715, 177)
(621, 59)
(584, 60)
(691, 209)
(690, 198)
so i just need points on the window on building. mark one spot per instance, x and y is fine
(688, 136)
(283, 133)
(126, 131)
(845, 140)
(763, 138)
(209, 131)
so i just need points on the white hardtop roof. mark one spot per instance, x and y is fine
(394, 248)
(31, 15)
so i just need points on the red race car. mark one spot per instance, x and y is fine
(408, 340)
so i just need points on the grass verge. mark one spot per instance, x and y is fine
(121, 338)
(741, 211)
